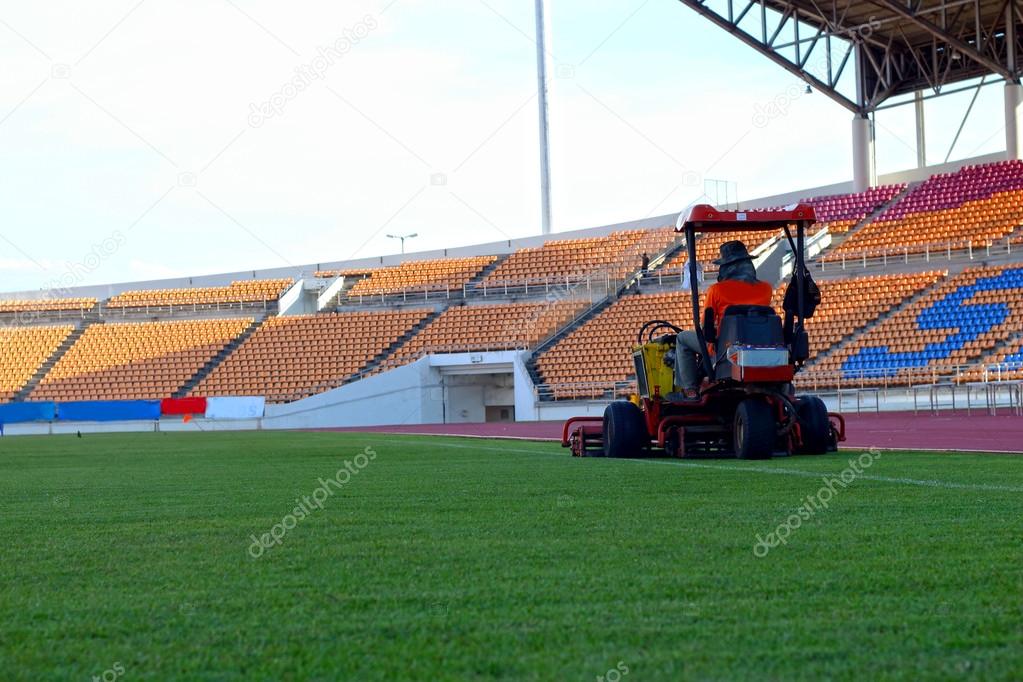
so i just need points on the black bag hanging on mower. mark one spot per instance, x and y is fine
(800, 343)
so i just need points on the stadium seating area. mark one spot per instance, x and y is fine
(486, 328)
(417, 275)
(597, 354)
(346, 272)
(954, 324)
(1005, 364)
(46, 305)
(908, 327)
(144, 360)
(243, 291)
(25, 349)
(976, 205)
(291, 357)
(840, 212)
(848, 305)
(614, 256)
(708, 248)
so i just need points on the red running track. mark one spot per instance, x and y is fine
(896, 430)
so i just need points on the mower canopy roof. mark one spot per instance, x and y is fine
(706, 218)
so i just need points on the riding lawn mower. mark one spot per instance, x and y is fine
(747, 406)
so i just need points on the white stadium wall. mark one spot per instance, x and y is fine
(432, 390)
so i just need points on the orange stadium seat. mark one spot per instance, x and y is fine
(615, 255)
(1001, 365)
(848, 305)
(708, 248)
(243, 291)
(486, 328)
(25, 349)
(293, 357)
(46, 305)
(141, 360)
(976, 206)
(433, 275)
(840, 212)
(597, 355)
(953, 325)
(347, 272)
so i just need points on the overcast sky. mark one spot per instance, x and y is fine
(136, 140)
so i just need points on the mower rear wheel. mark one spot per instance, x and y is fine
(755, 431)
(625, 433)
(814, 425)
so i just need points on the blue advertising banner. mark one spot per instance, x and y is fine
(109, 410)
(16, 413)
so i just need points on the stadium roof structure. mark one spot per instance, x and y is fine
(865, 53)
(897, 48)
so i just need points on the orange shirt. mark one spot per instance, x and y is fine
(736, 292)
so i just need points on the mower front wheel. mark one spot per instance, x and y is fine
(625, 433)
(755, 431)
(814, 425)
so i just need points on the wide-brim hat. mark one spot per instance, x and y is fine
(732, 252)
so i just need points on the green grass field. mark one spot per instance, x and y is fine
(130, 557)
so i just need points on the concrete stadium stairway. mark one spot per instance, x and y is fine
(371, 366)
(553, 339)
(837, 240)
(633, 286)
(861, 331)
(338, 301)
(45, 368)
(477, 281)
(215, 361)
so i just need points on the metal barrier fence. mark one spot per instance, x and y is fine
(596, 285)
(966, 248)
(993, 397)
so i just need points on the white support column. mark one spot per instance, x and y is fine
(921, 134)
(1013, 93)
(1013, 120)
(863, 154)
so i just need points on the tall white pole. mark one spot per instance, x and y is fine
(542, 62)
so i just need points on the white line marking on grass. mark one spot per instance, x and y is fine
(553, 439)
(950, 485)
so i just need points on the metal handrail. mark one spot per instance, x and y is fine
(927, 251)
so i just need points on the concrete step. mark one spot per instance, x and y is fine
(218, 358)
(395, 345)
(54, 358)
(858, 334)
(869, 218)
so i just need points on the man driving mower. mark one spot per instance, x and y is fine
(737, 285)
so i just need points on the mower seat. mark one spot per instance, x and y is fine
(748, 325)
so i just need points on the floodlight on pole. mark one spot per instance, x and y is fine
(403, 237)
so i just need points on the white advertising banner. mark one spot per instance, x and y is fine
(243, 407)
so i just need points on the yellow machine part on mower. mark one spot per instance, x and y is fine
(655, 378)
